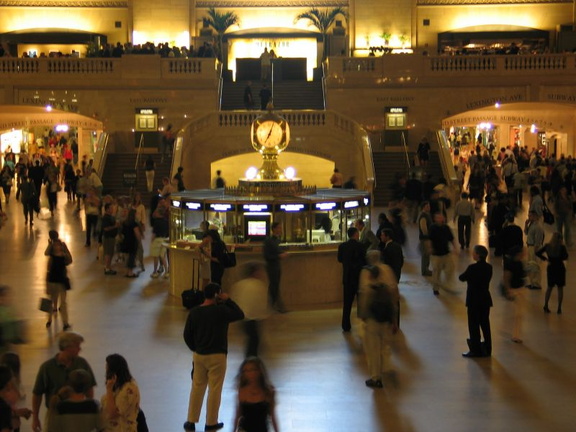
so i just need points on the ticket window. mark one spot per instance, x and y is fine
(295, 225)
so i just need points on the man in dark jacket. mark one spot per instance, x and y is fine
(478, 302)
(352, 255)
(206, 334)
(391, 252)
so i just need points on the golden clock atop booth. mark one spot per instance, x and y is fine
(270, 133)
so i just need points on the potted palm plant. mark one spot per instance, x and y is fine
(220, 22)
(322, 20)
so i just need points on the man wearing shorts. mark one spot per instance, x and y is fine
(109, 233)
(160, 230)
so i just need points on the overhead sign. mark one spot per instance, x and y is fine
(256, 208)
(292, 207)
(190, 205)
(221, 207)
(326, 206)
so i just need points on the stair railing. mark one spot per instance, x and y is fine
(446, 158)
(100, 154)
(139, 152)
(323, 80)
(405, 146)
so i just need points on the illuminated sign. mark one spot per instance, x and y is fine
(396, 110)
(292, 207)
(146, 111)
(221, 207)
(351, 204)
(326, 206)
(255, 207)
(193, 205)
(366, 201)
(176, 203)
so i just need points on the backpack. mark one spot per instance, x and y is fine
(382, 307)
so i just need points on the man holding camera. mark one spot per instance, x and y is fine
(206, 334)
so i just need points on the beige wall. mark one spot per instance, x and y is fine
(374, 17)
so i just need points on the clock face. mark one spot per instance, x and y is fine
(269, 134)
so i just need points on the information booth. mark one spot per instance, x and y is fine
(313, 225)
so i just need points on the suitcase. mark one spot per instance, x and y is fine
(192, 298)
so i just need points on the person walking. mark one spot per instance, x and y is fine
(555, 253)
(534, 241)
(465, 213)
(391, 252)
(273, 255)
(29, 199)
(440, 238)
(256, 406)
(424, 224)
(206, 334)
(57, 281)
(53, 375)
(478, 303)
(131, 238)
(513, 288)
(265, 96)
(378, 309)
(149, 170)
(351, 254)
(248, 98)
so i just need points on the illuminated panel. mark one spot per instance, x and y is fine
(292, 207)
(176, 203)
(351, 204)
(326, 206)
(255, 208)
(193, 205)
(366, 201)
(221, 207)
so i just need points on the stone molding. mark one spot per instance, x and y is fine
(485, 2)
(65, 3)
(270, 3)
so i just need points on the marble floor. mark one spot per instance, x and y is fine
(318, 371)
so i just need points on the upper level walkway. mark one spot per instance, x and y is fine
(318, 372)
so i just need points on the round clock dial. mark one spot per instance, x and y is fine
(269, 134)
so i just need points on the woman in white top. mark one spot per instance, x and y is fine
(121, 403)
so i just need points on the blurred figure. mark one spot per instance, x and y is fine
(337, 179)
(440, 238)
(12, 360)
(121, 403)
(351, 255)
(132, 237)
(251, 294)
(8, 397)
(57, 281)
(149, 170)
(513, 288)
(378, 308)
(29, 199)
(256, 398)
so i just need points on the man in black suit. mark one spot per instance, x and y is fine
(478, 302)
(391, 252)
(352, 255)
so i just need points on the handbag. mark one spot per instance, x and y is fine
(45, 305)
(547, 215)
(227, 258)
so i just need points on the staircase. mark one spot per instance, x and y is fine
(287, 95)
(388, 164)
(118, 163)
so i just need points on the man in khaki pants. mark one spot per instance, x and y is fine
(206, 334)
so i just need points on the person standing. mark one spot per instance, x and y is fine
(465, 213)
(367, 236)
(391, 252)
(121, 403)
(265, 96)
(265, 64)
(440, 238)
(206, 334)
(478, 303)
(131, 238)
(273, 255)
(563, 209)
(248, 98)
(378, 308)
(218, 182)
(534, 240)
(423, 152)
(424, 224)
(178, 180)
(8, 398)
(53, 375)
(352, 256)
(110, 229)
(337, 179)
(160, 235)
(555, 253)
(149, 170)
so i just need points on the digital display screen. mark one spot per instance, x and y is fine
(257, 228)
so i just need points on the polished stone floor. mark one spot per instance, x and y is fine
(318, 371)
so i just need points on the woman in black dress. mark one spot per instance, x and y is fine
(555, 253)
(57, 282)
(256, 398)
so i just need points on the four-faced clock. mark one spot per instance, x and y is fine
(269, 134)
